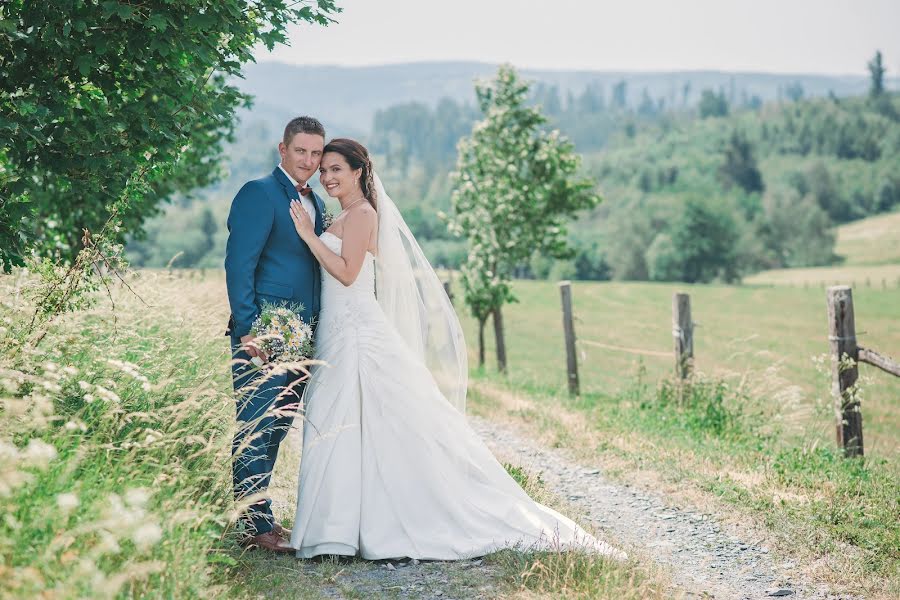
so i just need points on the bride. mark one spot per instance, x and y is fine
(390, 467)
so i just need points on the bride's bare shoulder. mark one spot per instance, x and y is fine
(364, 214)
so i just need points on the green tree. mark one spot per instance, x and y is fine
(713, 104)
(876, 75)
(516, 187)
(740, 167)
(794, 91)
(796, 231)
(620, 95)
(698, 247)
(107, 108)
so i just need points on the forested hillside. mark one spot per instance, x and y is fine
(698, 185)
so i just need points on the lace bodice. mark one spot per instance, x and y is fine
(344, 308)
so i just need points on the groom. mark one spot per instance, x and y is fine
(265, 260)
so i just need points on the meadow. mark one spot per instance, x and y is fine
(751, 436)
(116, 432)
(870, 253)
(773, 336)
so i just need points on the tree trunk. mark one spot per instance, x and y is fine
(501, 343)
(481, 324)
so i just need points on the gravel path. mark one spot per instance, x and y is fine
(706, 558)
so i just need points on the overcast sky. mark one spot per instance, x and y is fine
(781, 36)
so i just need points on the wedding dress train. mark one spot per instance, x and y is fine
(389, 467)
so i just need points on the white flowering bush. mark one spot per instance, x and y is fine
(516, 187)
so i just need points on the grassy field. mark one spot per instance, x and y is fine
(872, 241)
(115, 431)
(775, 337)
(886, 276)
(870, 249)
(753, 434)
(115, 434)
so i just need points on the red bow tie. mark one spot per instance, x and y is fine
(304, 190)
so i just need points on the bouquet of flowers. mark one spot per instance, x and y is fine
(282, 334)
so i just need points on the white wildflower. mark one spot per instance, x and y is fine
(8, 452)
(39, 453)
(146, 535)
(51, 386)
(108, 543)
(137, 497)
(67, 501)
(107, 394)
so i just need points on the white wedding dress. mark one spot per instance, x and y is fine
(389, 467)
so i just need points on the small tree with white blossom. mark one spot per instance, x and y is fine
(516, 187)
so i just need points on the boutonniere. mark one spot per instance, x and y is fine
(327, 219)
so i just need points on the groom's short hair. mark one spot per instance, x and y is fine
(303, 124)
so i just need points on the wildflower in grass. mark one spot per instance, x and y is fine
(67, 502)
(39, 453)
(108, 544)
(107, 394)
(137, 497)
(146, 535)
(131, 370)
(51, 386)
(152, 436)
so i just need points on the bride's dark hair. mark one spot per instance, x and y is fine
(357, 157)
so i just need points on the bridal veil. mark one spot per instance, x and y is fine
(416, 304)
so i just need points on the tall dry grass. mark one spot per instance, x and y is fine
(115, 435)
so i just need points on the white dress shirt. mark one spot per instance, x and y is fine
(306, 202)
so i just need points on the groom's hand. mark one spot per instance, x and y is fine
(250, 347)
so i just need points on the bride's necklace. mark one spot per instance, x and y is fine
(351, 205)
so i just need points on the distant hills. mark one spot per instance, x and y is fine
(346, 98)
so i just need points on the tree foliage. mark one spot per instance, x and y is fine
(698, 247)
(516, 187)
(740, 167)
(876, 75)
(97, 94)
(713, 104)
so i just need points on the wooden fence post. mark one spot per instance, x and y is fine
(683, 334)
(842, 335)
(565, 292)
(448, 291)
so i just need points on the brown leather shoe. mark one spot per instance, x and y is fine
(270, 541)
(284, 532)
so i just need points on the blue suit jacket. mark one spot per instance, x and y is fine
(265, 259)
